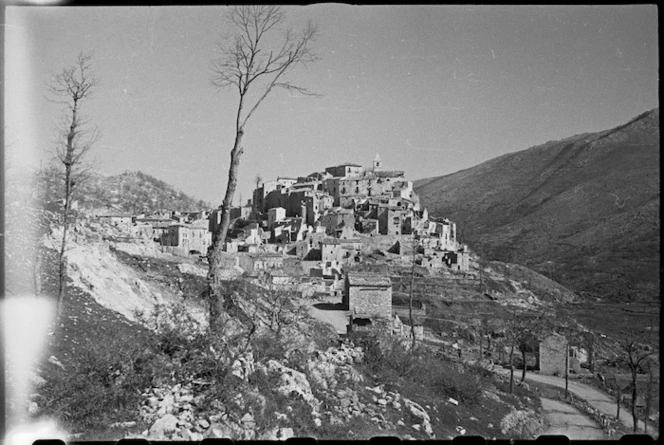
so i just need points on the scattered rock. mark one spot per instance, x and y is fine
(164, 427)
(292, 381)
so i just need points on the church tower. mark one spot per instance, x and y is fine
(377, 163)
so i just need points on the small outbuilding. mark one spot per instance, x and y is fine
(368, 295)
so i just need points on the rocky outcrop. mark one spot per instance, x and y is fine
(521, 424)
(418, 412)
(292, 382)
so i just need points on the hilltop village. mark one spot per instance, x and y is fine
(325, 234)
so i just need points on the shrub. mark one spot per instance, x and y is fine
(103, 385)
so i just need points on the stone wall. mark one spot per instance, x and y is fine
(374, 301)
(552, 352)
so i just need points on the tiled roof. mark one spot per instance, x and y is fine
(368, 279)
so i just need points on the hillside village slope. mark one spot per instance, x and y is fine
(359, 261)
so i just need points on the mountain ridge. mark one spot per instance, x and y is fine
(597, 193)
(128, 192)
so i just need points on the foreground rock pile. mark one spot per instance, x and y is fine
(328, 379)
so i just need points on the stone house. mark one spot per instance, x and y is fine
(367, 226)
(243, 212)
(368, 295)
(445, 231)
(552, 352)
(390, 220)
(275, 215)
(343, 170)
(459, 260)
(289, 230)
(253, 234)
(337, 218)
(252, 263)
(260, 196)
(432, 261)
(158, 224)
(340, 250)
(189, 238)
(142, 230)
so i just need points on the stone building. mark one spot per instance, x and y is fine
(252, 263)
(261, 192)
(253, 234)
(390, 220)
(336, 218)
(288, 231)
(189, 238)
(343, 170)
(552, 352)
(274, 215)
(368, 295)
(340, 250)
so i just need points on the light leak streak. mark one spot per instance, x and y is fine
(26, 321)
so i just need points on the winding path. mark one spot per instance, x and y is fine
(566, 420)
(593, 396)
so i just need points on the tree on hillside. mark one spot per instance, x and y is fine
(651, 365)
(523, 329)
(72, 87)
(251, 63)
(637, 346)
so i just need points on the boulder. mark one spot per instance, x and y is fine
(164, 427)
(419, 412)
(291, 381)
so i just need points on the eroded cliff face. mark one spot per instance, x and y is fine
(93, 266)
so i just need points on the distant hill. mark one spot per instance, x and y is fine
(584, 209)
(132, 192)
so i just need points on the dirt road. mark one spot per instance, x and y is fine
(596, 398)
(330, 313)
(569, 421)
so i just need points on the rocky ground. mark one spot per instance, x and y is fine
(301, 381)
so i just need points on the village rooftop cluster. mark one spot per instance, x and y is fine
(310, 233)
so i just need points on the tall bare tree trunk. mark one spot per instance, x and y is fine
(511, 369)
(567, 370)
(219, 237)
(634, 395)
(523, 356)
(72, 86)
(62, 259)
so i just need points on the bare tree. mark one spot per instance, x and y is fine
(636, 349)
(651, 365)
(72, 87)
(523, 329)
(253, 65)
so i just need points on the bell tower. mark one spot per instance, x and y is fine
(377, 163)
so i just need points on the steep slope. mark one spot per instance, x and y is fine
(584, 209)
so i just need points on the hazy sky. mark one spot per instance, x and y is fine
(432, 89)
